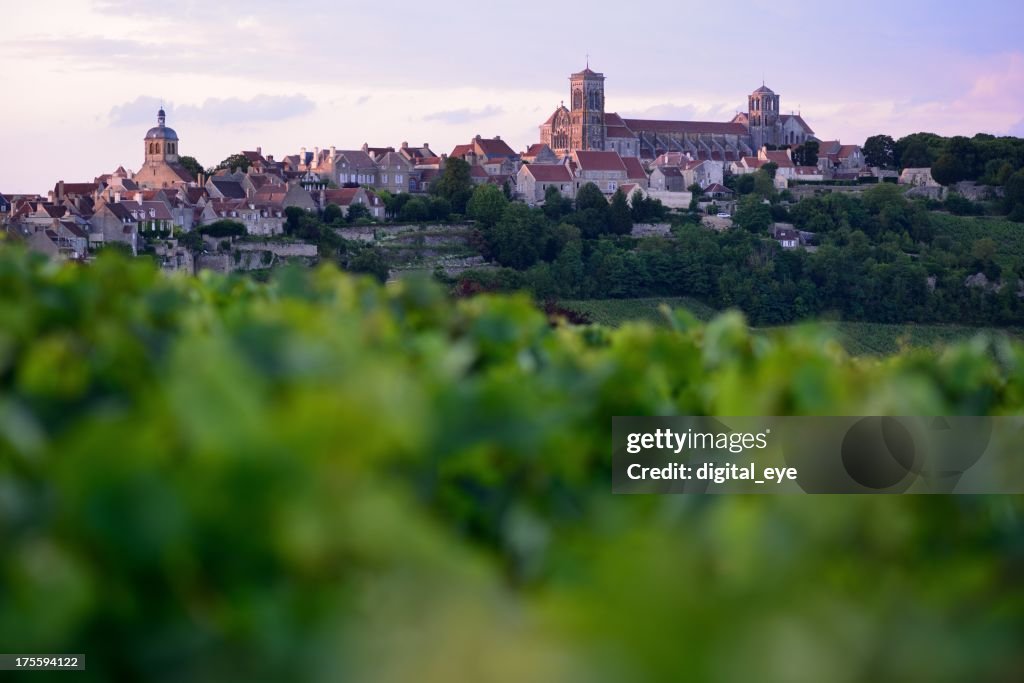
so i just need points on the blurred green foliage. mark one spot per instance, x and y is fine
(322, 479)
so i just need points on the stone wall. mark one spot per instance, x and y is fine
(281, 249)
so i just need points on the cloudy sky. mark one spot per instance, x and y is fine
(83, 78)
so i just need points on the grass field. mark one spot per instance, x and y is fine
(859, 339)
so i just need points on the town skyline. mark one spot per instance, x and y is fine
(251, 74)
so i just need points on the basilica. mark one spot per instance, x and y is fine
(161, 168)
(585, 125)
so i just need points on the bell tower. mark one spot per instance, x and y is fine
(763, 115)
(586, 96)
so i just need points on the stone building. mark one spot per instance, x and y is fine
(586, 126)
(533, 181)
(161, 167)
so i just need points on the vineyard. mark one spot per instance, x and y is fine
(964, 231)
(212, 479)
(857, 338)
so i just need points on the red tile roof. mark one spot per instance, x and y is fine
(613, 119)
(494, 147)
(549, 173)
(599, 161)
(780, 158)
(634, 169)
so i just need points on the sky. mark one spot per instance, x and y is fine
(83, 78)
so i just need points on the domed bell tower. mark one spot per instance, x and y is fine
(161, 142)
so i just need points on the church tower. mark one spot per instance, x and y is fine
(161, 167)
(763, 116)
(586, 92)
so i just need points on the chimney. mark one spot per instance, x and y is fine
(497, 137)
(477, 137)
(426, 145)
(332, 151)
(60, 191)
(405, 145)
(259, 150)
(366, 147)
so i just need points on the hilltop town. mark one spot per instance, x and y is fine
(244, 213)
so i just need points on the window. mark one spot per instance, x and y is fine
(384, 178)
(398, 179)
(611, 187)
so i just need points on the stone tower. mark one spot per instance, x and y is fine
(763, 116)
(586, 93)
(161, 141)
(161, 167)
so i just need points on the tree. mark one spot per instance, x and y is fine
(192, 240)
(293, 215)
(416, 209)
(620, 221)
(590, 197)
(486, 205)
(764, 183)
(806, 154)
(454, 184)
(1013, 199)
(946, 170)
(223, 228)
(235, 162)
(753, 215)
(192, 166)
(333, 214)
(515, 240)
(770, 168)
(696, 190)
(555, 204)
(371, 261)
(440, 209)
(879, 150)
(357, 212)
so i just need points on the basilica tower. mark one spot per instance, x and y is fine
(161, 167)
(763, 116)
(586, 91)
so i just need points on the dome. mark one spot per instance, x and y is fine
(161, 133)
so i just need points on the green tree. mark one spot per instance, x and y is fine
(191, 165)
(223, 228)
(333, 214)
(806, 154)
(753, 215)
(515, 240)
(1013, 198)
(356, 212)
(590, 197)
(454, 184)
(620, 220)
(555, 204)
(235, 162)
(416, 209)
(946, 170)
(487, 204)
(879, 150)
(370, 261)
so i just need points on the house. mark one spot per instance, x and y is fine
(783, 158)
(353, 167)
(834, 157)
(285, 196)
(114, 222)
(5, 207)
(481, 150)
(786, 235)
(540, 153)
(718, 191)
(918, 177)
(533, 180)
(151, 216)
(394, 173)
(808, 173)
(416, 155)
(219, 187)
(635, 172)
(604, 169)
(347, 197)
(667, 179)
